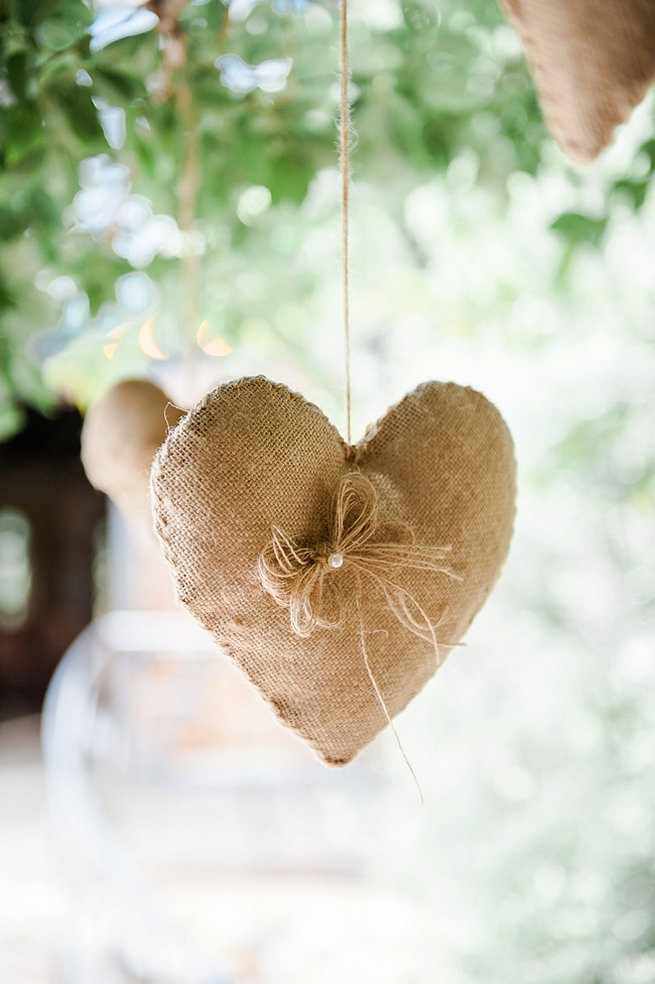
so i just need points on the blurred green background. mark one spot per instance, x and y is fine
(169, 179)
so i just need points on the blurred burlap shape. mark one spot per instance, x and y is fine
(254, 471)
(121, 433)
(592, 61)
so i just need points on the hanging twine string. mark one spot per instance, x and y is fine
(317, 582)
(188, 195)
(344, 166)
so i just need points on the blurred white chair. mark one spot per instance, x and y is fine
(166, 775)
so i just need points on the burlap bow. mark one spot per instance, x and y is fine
(317, 581)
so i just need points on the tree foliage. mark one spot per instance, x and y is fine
(189, 107)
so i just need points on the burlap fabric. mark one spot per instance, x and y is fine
(120, 435)
(592, 61)
(253, 457)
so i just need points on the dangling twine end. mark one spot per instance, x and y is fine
(367, 663)
(307, 579)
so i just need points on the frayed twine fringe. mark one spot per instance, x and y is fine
(367, 664)
(301, 578)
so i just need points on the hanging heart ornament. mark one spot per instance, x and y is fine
(338, 577)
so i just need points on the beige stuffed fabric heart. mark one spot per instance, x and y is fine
(121, 433)
(337, 577)
(592, 61)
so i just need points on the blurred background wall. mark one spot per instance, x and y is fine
(51, 533)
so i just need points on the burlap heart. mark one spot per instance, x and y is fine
(592, 61)
(313, 562)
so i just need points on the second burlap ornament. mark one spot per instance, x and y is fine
(337, 577)
(121, 433)
(592, 60)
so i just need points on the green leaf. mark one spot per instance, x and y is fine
(21, 132)
(68, 25)
(214, 14)
(406, 130)
(78, 109)
(32, 12)
(648, 149)
(118, 86)
(44, 212)
(634, 191)
(577, 228)
(11, 224)
(6, 299)
(289, 177)
(18, 73)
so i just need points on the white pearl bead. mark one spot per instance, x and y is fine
(335, 561)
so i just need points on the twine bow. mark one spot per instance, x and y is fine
(310, 579)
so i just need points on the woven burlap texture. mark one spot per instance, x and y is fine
(253, 456)
(592, 61)
(121, 433)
